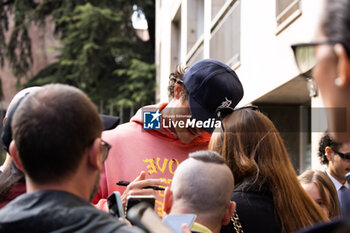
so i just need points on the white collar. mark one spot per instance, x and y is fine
(336, 183)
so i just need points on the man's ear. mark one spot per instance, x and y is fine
(14, 155)
(168, 200)
(178, 91)
(329, 153)
(343, 65)
(231, 208)
(93, 156)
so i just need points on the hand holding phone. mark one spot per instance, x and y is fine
(115, 205)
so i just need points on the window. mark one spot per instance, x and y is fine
(197, 55)
(175, 40)
(216, 5)
(225, 36)
(195, 22)
(286, 12)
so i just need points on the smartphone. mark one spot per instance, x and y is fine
(115, 205)
(133, 200)
(143, 216)
(175, 221)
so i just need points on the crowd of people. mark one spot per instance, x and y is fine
(228, 166)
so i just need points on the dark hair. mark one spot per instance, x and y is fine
(207, 156)
(253, 147)
(8, 179)
(336, 21)
(52, 129)
(177, 77)
(325, 141)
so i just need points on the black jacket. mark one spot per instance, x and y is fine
(59, 212)
(255, 210)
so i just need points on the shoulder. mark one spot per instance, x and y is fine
(253, 201)
(251, 191)
(62, 212)
(96, 220)
(255, 209)
(126, 130)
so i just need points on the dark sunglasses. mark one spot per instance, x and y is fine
(222, 112)
(343, 155)
(305, 58)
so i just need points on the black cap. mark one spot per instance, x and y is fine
(211, 84)
(6, 134)
(109, 122)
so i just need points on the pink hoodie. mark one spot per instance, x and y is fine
(158, 152)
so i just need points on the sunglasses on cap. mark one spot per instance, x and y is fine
(222, 112)
(343, 155)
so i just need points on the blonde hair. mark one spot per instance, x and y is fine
(253, 147)
(323, 183)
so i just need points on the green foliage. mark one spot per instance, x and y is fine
(99, 50)
(138, 70)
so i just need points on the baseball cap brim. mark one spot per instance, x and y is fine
(109, 122)
(200, 113)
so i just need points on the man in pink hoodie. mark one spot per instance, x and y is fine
(158, 138)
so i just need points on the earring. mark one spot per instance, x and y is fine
(338, 82)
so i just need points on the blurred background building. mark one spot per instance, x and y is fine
(253, 37)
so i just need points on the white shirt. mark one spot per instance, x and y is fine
(338, 185)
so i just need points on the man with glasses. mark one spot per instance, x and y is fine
(336, 156)
(57, 145)
(195, 95)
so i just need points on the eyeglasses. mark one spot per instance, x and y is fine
(305, 58)
(222, 112)
(178, 81)
(343, 155)
(105, 147)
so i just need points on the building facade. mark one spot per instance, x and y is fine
(253, 37)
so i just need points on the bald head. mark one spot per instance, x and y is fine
(203, 183)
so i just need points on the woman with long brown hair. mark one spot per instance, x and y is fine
(321, 189)
(268, 194)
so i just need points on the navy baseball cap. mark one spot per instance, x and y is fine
(211, 84)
